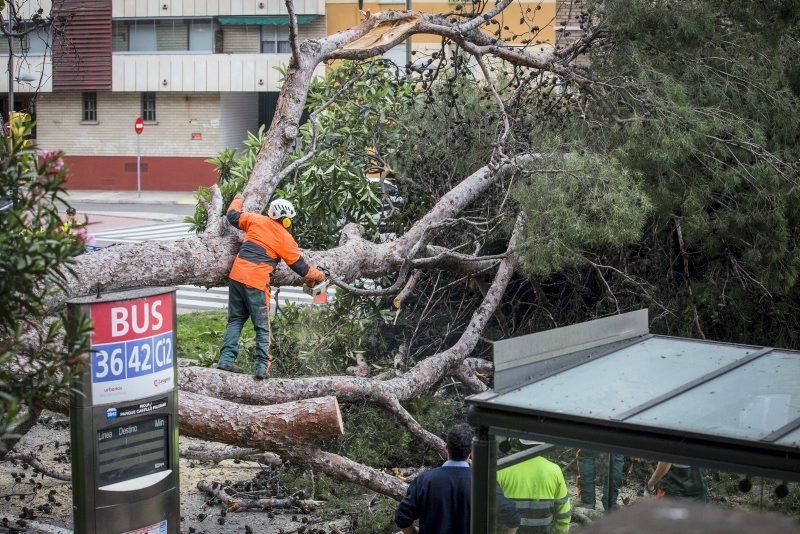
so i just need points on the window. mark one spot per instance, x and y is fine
(169, 35)
(201, 36)
(120, 36)
(38, 41)
(142, 36)
(149, 107)
(89, 107)
(35, 43)
(172, 36)
(275, 39)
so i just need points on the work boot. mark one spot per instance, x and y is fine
(262, 369)
(231, 368)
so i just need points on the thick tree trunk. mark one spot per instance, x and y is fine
(254, 426)
(205, 260)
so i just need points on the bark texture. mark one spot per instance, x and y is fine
(254, 426)
(231, 453)
(416, 381)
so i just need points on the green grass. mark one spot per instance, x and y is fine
(200, 334)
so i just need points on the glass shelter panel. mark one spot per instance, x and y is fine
(792, 439)
(532, 493)
(624, 379)
(548, 488)
(749, 402)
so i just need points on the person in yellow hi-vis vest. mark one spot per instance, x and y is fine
(538, 489)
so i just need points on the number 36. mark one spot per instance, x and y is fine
(115, 363)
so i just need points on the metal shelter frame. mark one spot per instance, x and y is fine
(523, 366)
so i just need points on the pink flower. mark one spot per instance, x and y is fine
(51, 159)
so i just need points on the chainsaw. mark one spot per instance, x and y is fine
(320, 288)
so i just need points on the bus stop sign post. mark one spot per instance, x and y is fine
(124, 417)
(138, 127)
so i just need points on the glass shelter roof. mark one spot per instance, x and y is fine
(613, 375)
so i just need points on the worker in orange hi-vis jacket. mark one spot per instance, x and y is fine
(267, 241)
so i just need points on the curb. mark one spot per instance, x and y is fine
(163, 202)
(112, 197)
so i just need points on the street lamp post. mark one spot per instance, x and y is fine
(10, 78)
(408, 40)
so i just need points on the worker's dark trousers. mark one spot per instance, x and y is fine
(243, 303)
(685, 483)
(589, 462)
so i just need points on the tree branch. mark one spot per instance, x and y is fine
(241, 504)
(293, 34)
(464, 374)
(418, 380)
(34, 461)
(231, 453)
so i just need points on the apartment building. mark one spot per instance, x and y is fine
(201, 73)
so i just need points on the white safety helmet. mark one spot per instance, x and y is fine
(279, 208)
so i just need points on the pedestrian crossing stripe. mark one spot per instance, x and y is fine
(139, 234)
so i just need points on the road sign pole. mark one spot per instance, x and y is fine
(139, 166)
(138, 127)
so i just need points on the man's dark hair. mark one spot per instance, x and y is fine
(459, 442)
(71, 211)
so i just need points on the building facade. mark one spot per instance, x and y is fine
(201, 73)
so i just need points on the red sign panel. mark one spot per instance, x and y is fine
(131, 319)
(133, 346)
(138, 126)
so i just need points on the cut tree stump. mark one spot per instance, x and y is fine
(246, 425)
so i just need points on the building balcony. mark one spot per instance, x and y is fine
(210, 8)
(195, 73)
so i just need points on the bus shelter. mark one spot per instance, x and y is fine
(609, 385)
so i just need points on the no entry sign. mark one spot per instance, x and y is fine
(132, 349)
(138, 126)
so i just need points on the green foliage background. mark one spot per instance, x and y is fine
(35, 253)
(711, 104)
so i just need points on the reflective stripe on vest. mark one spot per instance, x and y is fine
(539, 512)
(540, 504)
(532, 522)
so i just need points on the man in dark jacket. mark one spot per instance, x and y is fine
(440, 498)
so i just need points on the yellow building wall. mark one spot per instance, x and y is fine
(343, 14)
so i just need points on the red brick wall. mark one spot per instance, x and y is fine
(171, 173)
